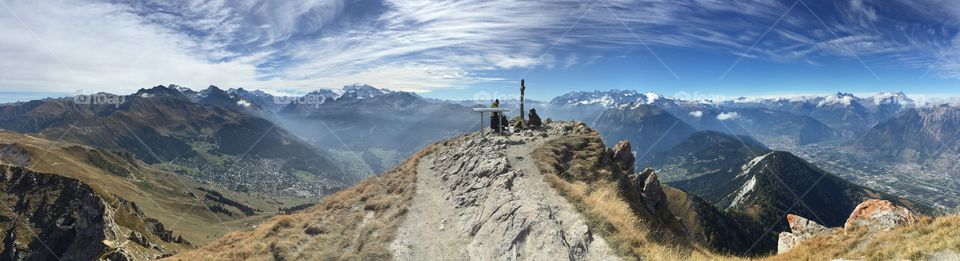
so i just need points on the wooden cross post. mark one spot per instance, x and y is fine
(522, 89)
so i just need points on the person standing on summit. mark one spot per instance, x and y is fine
(495, 121)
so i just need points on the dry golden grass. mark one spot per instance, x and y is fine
(612, 217)
(159, 194)
(576, 168)
(630, 234)
(354, 224)
(911, 242)
(359, 223)
(680, 205)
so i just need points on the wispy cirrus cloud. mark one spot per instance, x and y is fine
(426, 45)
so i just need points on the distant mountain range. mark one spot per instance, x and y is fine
(842, 111)
(361, 129)
(811, 118)
(915, 135)
(381, 127)
(759, 186)
(650, 128)
(201, 134)
(730, 169)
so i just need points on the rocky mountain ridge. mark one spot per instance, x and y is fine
(915, 135)
(476, 198)
(48, 216)
(489, 197)
(161, 207)
(500, 204)
(211, 138)
(758, 188)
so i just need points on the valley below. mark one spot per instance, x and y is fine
(929, 183)
(368, 173)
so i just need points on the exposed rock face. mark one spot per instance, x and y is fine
(879, 215)
(875, 214)
(647, 186)
(119, 255)
(157, 229)
(802, 225)
(47, 216)
(62, 214)
(623, 156)
(801, 229)
(504, 222)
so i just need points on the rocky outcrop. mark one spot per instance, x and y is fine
(47, 216)
(647, 185)
(879, 215)
(568, 127)
(874, 214)
(623, 156)
(49, 210)
(157, 229)
(501, 220)
(801, 229)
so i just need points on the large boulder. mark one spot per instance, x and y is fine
(879, 215)
(801, 229)
(623, 156)
(647, 185)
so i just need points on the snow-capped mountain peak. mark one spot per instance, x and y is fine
(179, 88)
(362, 91)
(894, 98)
(248, 94)
(609, 99)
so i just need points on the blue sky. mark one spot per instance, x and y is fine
(462, 49)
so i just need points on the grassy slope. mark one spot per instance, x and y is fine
(360, 222)
(589, 184)
(629, 233)
(927, 237)
(159, 194)
(357, 223)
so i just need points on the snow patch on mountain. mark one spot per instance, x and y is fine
(651, 97)
(891, 98)
(362, 91)
(180, 88)
(610, 99)
(605, 101)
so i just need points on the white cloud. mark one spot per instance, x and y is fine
(696, 114)
(727, 116)
(836, 99)
(571, 61)
(65, 45)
